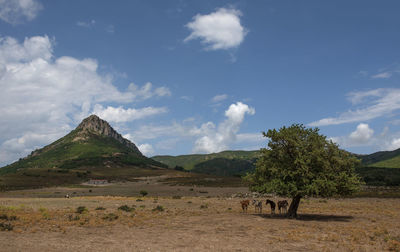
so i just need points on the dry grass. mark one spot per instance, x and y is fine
(364, 224)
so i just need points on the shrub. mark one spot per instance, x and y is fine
(6, 227)
(158, 208)
(110, 217)
(143, 193)
(81, 209)
(203, 192)
(100, 208)
(176, 197)
(126, 208)
(204, 206)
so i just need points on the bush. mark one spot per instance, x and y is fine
(176, 197)
(81, 209)
(110, 217)
(100, 208)
(139, 200)
(8, 218)
(6, 227)
(126, 208)
(204, 206)
(158, 208)
(143, 193)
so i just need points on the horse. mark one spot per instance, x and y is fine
(257, 206)
(283, 205)
(272, 205)
(245, 204)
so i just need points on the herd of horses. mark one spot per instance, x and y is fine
(282, 206)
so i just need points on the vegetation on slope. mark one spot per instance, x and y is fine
(188, 162)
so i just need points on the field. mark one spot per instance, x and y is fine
(188, 218)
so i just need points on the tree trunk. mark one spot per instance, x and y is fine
(294, 205)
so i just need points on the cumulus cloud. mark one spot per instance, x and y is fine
(218, 30)
(371, 104)
(394, 144)
(215, 139)
(146, 149)
(362, 134)
(19, 11)
(43, 97)
(119, 114)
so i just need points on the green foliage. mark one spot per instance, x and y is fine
(376, 176)
(110, 217)
(126, 208)
(81, 209)
(158, 208)
(387, 159)
(302, 162)
(189, 162)
(143, 193)
(6, 227)
(225, 166)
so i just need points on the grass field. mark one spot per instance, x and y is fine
(188, 218)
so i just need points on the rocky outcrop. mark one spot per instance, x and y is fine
(98, 126)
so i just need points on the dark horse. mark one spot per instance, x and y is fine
(282, 205)
(272, 205)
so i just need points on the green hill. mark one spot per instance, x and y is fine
(384, 159)
(93, 150)
(188, 162)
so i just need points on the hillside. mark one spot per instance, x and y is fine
(188, 162)
(384, 159)
(93, 150)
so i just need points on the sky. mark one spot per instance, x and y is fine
(180, 77)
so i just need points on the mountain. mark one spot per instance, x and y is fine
(92, 150)
(189, 162)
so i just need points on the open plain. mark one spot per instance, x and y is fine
(187, 218)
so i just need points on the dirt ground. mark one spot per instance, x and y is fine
(206, 222)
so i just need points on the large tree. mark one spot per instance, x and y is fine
(300, 162)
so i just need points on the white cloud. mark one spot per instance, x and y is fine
(43, 97)
(146, 149)
(393, 145)
(218, 30)
(215, 139)
(384, 75)
(19, 11)
(112, 114)
(88, 24)
(219, 98)
(147, 91)
(362, 134)
(373, 104)
(110, 28)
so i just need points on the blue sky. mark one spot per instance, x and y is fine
(180, 77)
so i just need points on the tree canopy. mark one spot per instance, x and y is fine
(300, 162)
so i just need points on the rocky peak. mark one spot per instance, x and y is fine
(98, 126)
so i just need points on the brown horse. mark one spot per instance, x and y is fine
(245, 204)
(282, 205)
